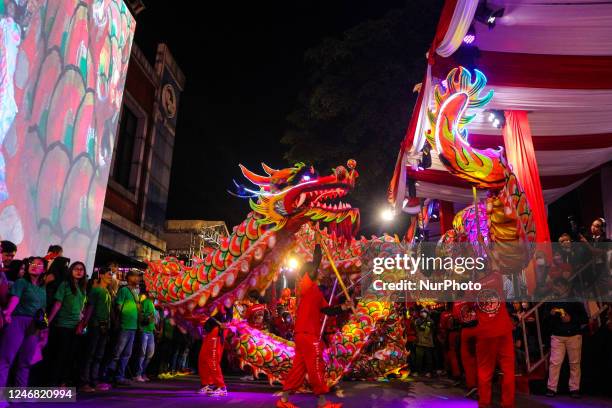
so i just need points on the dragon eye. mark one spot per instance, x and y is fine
(305, 177)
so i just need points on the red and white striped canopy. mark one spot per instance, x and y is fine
(552, 58)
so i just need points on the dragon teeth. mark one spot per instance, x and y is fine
(301, 200)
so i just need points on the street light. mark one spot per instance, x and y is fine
(387, 214)
(292, 263)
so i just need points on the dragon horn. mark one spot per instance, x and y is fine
(254, 178)
(269, 170)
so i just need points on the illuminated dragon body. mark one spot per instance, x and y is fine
(509, 219)
(370, 345)
(250, 259)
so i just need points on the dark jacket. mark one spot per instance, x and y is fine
(577, 323)
(219, 318)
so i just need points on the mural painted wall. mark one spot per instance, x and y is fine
(62, 71)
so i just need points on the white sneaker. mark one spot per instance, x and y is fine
(139, 379)
(218, 392)
(205, 389)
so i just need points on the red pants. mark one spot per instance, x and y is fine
(489, 352)
(451, 358)
(468, 357)
(308, 360)
(209, 360)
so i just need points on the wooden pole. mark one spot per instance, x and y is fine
(333, 266)
(331, 298)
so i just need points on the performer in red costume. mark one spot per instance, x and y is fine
(448, 335)
(209, 360)
(494, 343)
(308, 357)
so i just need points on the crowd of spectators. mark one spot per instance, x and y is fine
(53, 310)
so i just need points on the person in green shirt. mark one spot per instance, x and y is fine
(127, 306)
(148, 319)
(97, 319)
(65, 315)
(27, 298)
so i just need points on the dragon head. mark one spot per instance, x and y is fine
(290, 197)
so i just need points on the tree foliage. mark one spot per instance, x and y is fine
(359, 96)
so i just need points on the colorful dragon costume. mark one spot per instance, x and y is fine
(354, 350)
(509, 218)
(287, 199)
(251, 258)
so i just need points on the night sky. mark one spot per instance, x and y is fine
(244, 66)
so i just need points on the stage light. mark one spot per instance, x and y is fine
(387, 215)
(487, 15)
(496, 117)
(470, 36)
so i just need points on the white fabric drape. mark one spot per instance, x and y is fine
(464, 195)
(553, 123)
(423, 122)
(593, 100)
(458, 27)
(562, 162)
(556, 28)
(606, 196)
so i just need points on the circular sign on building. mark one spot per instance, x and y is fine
(169, 100)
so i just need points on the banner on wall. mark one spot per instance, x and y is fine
(62, 72)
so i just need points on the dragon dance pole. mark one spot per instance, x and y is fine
(333, 265)
(363, 276)
(476, 211)
(331, 298)
(477, 214)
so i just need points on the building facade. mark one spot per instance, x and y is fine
(186, 239)
(134, 213)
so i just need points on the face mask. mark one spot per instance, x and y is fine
(423, 315)
(525, 305)
(540, 262)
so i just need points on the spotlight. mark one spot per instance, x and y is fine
(497, 119)
(487, 15)
(387, 215)
(470, 36)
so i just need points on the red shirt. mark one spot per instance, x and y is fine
(491, 312)
(309, 317)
